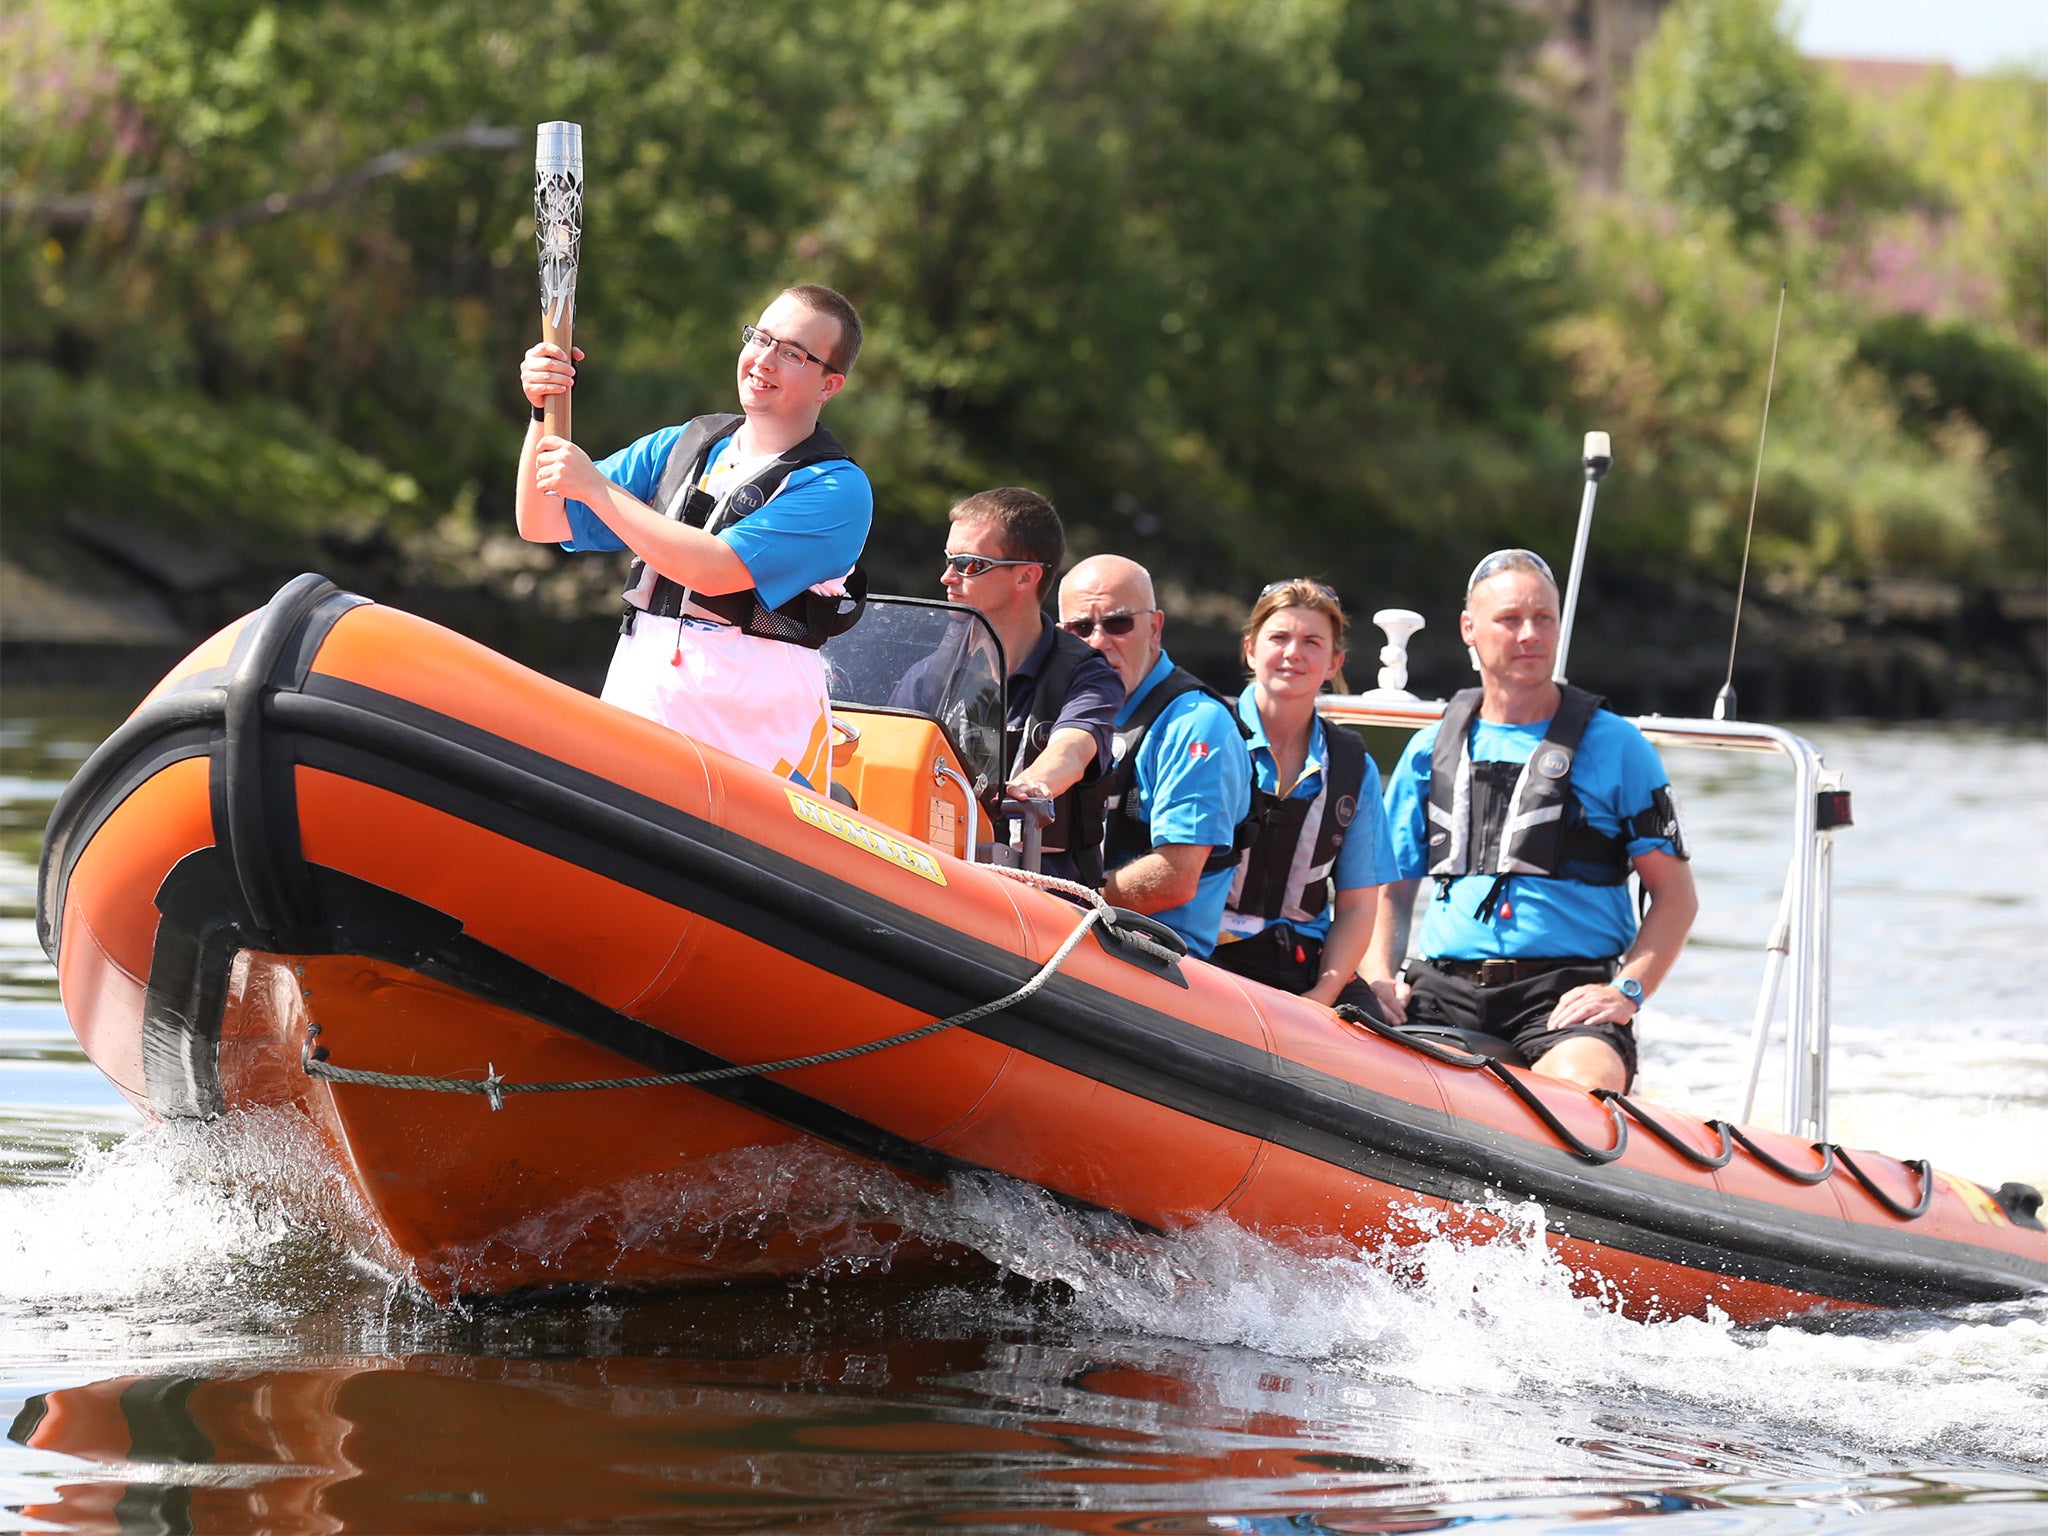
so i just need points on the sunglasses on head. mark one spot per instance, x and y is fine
(980, 565)
(1508, 560)
(1111, 624)
(1301, 581)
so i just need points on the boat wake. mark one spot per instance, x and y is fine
(195, 1237)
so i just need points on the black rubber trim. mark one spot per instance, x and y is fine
(166, 731)
(33, 1411)
(161, 1425)
(201, 927)
(260, 830)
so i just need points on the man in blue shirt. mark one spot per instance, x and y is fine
(1530, 805)
(763, 517)
(1180, 791)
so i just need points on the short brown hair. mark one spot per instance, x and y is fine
(819, 299)
(1299, 592)
(1030, 528)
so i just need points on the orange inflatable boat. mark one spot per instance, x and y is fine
(555, 988)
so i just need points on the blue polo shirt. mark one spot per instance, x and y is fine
(1194, 785)
(1365, 857)
(1614, 774)
(811, 530)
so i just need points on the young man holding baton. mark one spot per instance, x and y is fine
(746, 528)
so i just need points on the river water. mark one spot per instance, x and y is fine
(192, 1338)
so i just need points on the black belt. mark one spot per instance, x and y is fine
(1498, 973)
(673, 609)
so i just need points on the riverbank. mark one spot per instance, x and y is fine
(93, 607)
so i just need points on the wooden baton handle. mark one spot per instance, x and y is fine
(555, 409)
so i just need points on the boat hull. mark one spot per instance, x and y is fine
(339, 829)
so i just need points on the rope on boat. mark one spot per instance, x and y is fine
(313, 1059)
(1619, 1105)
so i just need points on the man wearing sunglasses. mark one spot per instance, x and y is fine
(746, 529)
(1061, 699)
(1530, 805)
(1179, 797)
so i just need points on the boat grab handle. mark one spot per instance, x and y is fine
(1919, 1165)
(1719, 1158)
(1558, 1128)
(1783, 1170)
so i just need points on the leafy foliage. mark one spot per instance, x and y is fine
(1247, 285)
(1722, 110)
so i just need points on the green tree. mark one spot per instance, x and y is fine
(1721, 110)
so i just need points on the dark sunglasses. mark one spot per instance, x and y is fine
(1112, 624)
(980, 565)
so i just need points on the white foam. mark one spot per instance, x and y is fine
(1501, 1320)
(162, 1227)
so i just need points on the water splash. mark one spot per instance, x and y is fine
(238, 1230)
(180, 1233)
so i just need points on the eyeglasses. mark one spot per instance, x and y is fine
(1302, 581)
(1111, 624)
(980, 565)
(1508, 560)
(788, 351)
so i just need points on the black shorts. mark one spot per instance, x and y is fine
(1514, 1011)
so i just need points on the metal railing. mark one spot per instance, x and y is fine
(1799, 939)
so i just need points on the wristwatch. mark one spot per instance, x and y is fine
(1629, 988)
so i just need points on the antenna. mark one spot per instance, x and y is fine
(1598, 459)
(1724, 701)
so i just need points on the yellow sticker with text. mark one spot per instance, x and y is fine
(829, 818)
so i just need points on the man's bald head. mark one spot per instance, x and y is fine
(1114, 577)
(1106, 589)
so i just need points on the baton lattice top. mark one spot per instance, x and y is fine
(558, 230)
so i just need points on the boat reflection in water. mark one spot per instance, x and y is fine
(447, 1442)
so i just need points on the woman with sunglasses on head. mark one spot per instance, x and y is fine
(1301, 907)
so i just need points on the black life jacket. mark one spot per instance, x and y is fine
(1265, 886)
(1125, 836)
(1076, 824)
(1509, 819)
(808, 619)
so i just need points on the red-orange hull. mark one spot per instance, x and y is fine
(337, 826)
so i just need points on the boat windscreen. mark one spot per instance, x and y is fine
(934, 659)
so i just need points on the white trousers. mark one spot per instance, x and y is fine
(761, 700)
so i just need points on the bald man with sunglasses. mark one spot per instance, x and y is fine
(1179, 798)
